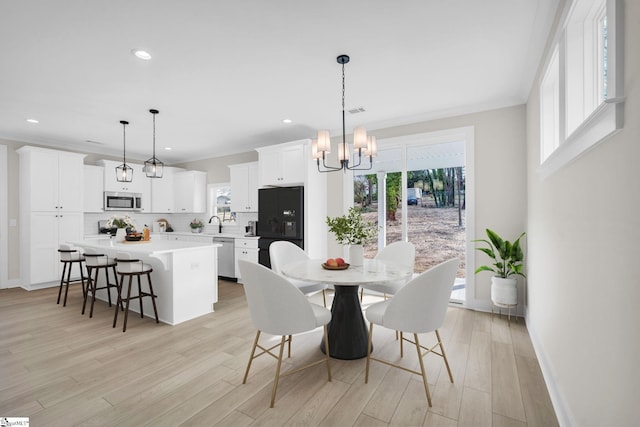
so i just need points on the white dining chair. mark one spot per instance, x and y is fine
(399, 253)
(282, 252)
(418, 307)
(278, 308)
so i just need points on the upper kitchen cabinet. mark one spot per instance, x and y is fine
(163, 191)
(139, 182)
(93, 188)
(51, 205)
(190, 189)
(291, 164)
(282, 165)
(54, 177)
(244, 187)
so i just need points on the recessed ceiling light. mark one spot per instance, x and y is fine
(142, 54)
(33, 121)
(287, 121)
(168, 148)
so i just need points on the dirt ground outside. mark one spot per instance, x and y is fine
(434, 232)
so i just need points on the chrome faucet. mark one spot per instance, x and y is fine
(219, 222)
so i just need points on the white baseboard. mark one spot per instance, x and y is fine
(13, 283)
(565, 419)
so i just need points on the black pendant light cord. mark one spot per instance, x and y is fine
(124, 141)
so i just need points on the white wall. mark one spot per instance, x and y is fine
(583, 289)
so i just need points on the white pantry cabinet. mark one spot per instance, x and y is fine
(244, 187)
(190, 189)
(51, 210)
(282, 165)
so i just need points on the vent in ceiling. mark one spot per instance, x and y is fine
(356, 110)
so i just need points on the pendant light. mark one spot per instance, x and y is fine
(124, 173)
(363, 145)
(153, 167)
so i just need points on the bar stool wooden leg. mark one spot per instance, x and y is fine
(140, 295)
(153, 297)
(66, 291)
(126, 310)
(89, 285)
(119, 303)
(64, 270)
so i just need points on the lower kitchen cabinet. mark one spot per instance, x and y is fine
(246, 249)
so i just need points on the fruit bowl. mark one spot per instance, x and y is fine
(335, 267)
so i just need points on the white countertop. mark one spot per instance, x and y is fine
(149, 248)
(228, 235)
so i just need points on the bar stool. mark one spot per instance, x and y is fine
(96, 261)
(69, 255)
(127, 266)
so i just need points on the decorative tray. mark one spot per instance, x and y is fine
(337, 267)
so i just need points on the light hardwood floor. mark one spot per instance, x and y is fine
(60, 368)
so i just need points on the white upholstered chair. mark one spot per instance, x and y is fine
(418, 307)
(278, 308)
(283, 252)
(401, 253)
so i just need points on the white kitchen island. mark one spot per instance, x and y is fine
(185, 276)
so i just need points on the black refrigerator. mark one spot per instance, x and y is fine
(280, 217)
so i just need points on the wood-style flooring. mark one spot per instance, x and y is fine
(60, 368)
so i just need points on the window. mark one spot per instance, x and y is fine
(581, 88)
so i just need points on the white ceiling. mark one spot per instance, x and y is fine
(225, 73)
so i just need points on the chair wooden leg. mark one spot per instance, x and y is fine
(401, 346)
(444, 356)
(424, 375)
(108, 285)
(251, 356)
(118, 286)
(289, 347)
(93, 291)
(277, 377)
(324, 298)
(326, 347)
(361, 295)
(366, 372)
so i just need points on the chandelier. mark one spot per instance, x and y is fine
(124, 172)
(153, 167)
(363, 145)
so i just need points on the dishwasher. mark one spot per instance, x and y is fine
(226, 261)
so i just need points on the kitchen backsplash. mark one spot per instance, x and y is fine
(179, 222)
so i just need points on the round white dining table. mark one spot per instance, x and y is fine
(347, 331)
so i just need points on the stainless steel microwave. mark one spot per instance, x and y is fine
(122, 201)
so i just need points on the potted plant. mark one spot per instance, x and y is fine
(507, 261)
(122, 225)
(196, 225)
(353, 230)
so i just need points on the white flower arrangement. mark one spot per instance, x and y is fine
(121, 222)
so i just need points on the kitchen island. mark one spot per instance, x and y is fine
(185, 277)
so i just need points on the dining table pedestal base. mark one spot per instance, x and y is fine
(347, 331)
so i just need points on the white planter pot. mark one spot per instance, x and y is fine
(120, 234)
(504, 291)
(356, 255)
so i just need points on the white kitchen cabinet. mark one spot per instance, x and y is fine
(282, 165)
(293, 162)
(244, 187)
(190, 189)
(246, 249)
(163, 192)
(93, 188)
(51, 210)
(139, 182)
